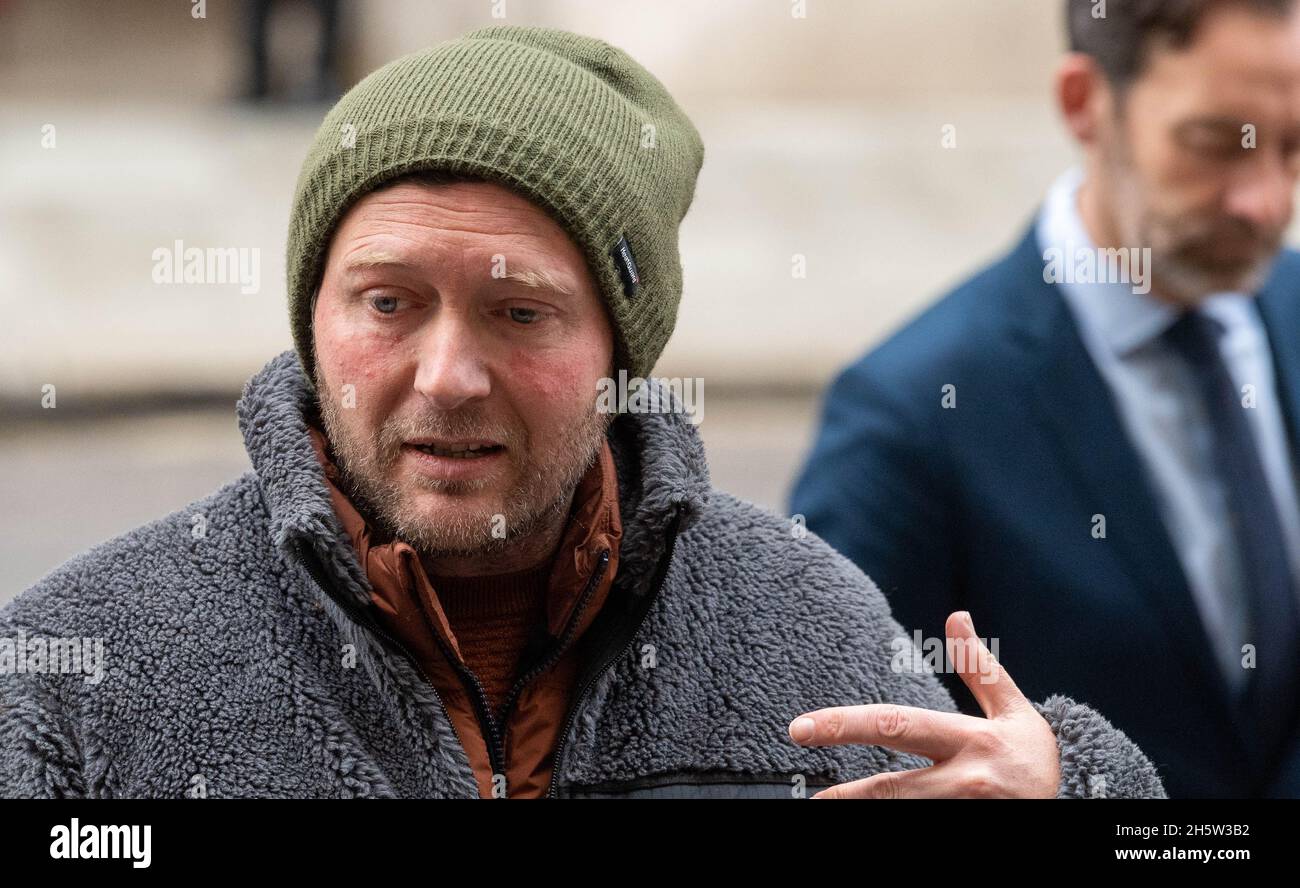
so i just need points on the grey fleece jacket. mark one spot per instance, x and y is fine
(240, 660)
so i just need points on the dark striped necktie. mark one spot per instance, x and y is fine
(1269, 700)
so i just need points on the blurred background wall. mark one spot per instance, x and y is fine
(824, 139)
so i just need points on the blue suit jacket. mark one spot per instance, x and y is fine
(989, 507)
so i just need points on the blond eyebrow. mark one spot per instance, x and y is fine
(529, 277)
(537, 279)
(373, 259)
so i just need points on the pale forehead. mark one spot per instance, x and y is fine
(460, 207)
(414, 225)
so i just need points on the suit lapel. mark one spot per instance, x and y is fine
(1072, 400)
(1279, 307)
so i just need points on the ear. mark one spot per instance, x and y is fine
(1083, 96)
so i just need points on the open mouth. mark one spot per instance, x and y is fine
(467, 450)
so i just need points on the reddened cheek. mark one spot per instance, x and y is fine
(366, 371)
(346, 347)
(561, 378)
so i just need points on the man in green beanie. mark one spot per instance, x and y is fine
(452, 572)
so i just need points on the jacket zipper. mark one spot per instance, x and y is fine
(556, 651)
(666, 563)
(354, 615)
(494, 728)
(482, 705)
(495, 739)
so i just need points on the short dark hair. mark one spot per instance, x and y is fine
(1122, 40)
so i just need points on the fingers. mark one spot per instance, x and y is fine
(993, 688)
(949, 781)
(921, 783)
(935, 735)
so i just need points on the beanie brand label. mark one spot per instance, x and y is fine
(625, 262)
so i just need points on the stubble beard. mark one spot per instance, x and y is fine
(1181, 268)
(546, 475)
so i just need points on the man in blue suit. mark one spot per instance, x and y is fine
(1092, 444)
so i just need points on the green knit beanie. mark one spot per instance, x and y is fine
(569, 122)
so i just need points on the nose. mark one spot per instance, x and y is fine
(451, 370)
(1263, 194)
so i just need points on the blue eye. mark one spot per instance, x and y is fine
(384, 304)
(523, 315)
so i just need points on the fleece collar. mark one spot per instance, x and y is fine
(658, 455)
